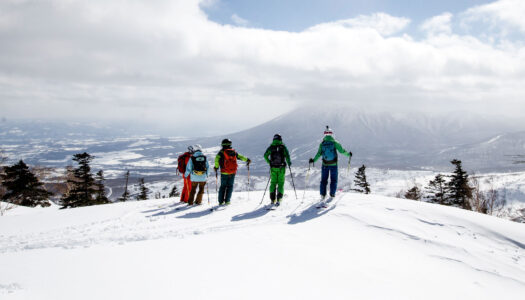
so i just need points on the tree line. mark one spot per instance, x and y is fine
(458, 190)
(20, 186)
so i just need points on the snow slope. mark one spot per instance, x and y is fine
(361, 247)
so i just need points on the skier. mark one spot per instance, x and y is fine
(226, 159)
(182, 161)
(328, 150)
(277, 156)
(197, 170)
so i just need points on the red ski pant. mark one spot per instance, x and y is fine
(186, 189)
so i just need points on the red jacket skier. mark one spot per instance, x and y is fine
(182, 162)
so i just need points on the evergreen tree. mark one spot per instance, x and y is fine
(174, 192)
(436, 190)
(360, 181)
(143, 190)
(82, 184)
(100, 194)
(23, 187)
(459, 192)
(125, 195)
(414, 193)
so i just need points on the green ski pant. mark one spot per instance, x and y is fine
(277, 181)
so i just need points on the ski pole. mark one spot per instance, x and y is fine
(208, 193)
(293, 184)
(267, 184)
(248, 166)
(306, 181)
(216, 186)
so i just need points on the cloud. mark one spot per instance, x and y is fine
(438, 24)
(499, 13)
(239, 21)
(166, 62)
(383, 23)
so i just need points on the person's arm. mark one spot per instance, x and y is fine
(342, 150)
(242, 157)
(319, 152)
(217, 159)
(267, 155)
(189, 168)
(287, 156)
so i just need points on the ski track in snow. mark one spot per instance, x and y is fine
(467, 240)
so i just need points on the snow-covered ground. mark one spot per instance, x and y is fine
(360, 247)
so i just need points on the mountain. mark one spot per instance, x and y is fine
(360, 247)
(390, 140)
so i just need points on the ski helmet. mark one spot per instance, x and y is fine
(328, 131)
(197, 147)
(190, 149)
(226, 142)
(277, 137)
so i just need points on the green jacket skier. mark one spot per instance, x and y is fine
(277, 156)
(328, 150)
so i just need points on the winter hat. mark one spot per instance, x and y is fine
(277, 137)
(190, 149)
(226, 142)
(197, 147)
(328, 131)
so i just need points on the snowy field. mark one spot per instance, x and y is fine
(360, 247)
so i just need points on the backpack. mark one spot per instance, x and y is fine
(229, 161)
(329, 153)
(199, 164)
(277, 159)
(181, 162)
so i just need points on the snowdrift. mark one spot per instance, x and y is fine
(360, 247)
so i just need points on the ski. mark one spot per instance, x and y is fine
(271, 207)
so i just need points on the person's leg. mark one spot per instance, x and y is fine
(200, 193)
(273, 183)
(191, 196)
(333, 180)
(229, 188)
(280, 183)
(324, 180)
(186, 188)
(222, 188)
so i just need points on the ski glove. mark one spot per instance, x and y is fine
(248, 161)
(350, 153)
(311, 161)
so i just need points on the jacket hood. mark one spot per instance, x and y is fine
(329, 138)
(277, 142)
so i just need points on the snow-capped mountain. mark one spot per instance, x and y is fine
(393, 140)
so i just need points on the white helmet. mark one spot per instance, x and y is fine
(328, 131)
(197, 147)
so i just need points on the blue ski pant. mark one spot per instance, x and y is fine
(328, 171)
(226, 189)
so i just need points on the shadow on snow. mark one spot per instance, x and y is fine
(251, 215)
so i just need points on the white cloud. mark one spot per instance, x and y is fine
(239, 21)
(166, 61)
(383, 23)
(438, 24)
(500, 13)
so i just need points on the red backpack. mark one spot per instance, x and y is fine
(230, 161)
(181, 162)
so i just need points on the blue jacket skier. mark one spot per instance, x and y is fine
(198, 170)
(328, 151)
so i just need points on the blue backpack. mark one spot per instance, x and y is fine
(329, 153)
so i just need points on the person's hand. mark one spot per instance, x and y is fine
(248, 161)
(215, 169)
(350, 153)
(311, 161)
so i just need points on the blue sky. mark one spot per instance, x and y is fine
(297, 15)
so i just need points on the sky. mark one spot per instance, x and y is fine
(202, 67)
